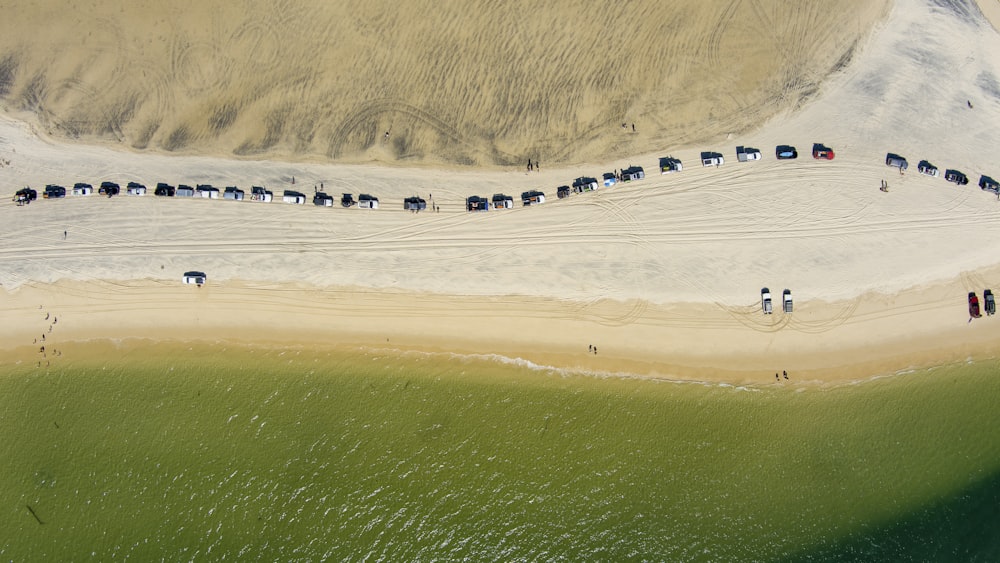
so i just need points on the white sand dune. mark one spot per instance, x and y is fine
(665, 273)
(454, 81)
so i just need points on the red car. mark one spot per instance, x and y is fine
(821, 151)
(974, 305)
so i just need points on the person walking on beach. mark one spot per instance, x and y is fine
(784, 373)
(65, 234)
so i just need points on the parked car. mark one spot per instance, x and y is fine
(414, 204)
(990, 303)
(786, 301)
(194, 278)
(184, 190)
(476, 203)
(609, 179)
(927, 169)
(956, 177)
(669, 164)
(322, 200)
(533, 197)
(164, 190)
(234, 193)
(208, 191)
(109, 189)
(765, 300)
(258, 193)
(293, 197)
(503, 201)
(822, 152)
(585, 184)
(135, 188)
(347, 200)
(974, 305)
(989, 184)
(712, 159)
(25, 196)
(633, 173)
(785, 152)
(744, 154)
(562, 192)
(53, 191)
(366, 201)
(82, 189)
(895, 161)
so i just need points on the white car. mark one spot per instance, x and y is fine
(194, 278)
(712, 159)
(786, 301)
(765, 301)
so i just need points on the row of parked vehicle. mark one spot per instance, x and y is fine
(669, 164)
(257, 193)
(924, 167)
(537, 197)
(990, 304)
(765, 301)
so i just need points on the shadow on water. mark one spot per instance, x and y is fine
(962, 527)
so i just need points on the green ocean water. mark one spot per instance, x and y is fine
(209, 454)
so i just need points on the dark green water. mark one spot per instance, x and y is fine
(306, 456)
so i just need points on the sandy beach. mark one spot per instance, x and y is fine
(663, 275)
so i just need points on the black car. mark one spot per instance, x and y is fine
(956, 177)
(562, 192)
(52, 192)
(25, 196)
(414, 204)
(989, 184)
(785, 152)
(347, 200)
(109, 189)
(164, 190)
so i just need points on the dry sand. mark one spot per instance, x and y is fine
(663, 275)
(454, 81)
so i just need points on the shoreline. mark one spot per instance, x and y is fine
(818, 344)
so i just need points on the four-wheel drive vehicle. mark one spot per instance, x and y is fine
(895, 161)
(927, 169)
(785, 152)
(322, 200)
(743, 154)
(532, 197)
(366, 201)
(990, 303)
(25, 195)
(194, 278)
(786, 301)
(956, 177)
(414, 204)
(52, 192)
(989, 184)
(974, 305)
(293, 197)
(712, 159)
(669, 164)
(821, 152)
(164, 190)
(765, 300)
(258, 193)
